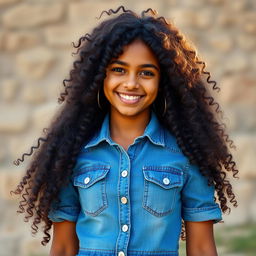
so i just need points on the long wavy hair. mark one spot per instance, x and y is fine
(192, 115)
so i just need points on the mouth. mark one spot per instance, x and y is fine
(129, 99)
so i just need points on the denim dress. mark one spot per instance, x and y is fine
(133, 202)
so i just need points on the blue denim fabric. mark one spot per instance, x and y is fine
(160, 186)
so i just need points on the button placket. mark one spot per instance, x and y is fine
(124, 206)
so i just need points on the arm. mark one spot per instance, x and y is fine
(200, 239)
(65, 241)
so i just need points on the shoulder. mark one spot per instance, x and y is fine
(171, 142)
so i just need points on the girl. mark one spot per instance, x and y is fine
(136, 149)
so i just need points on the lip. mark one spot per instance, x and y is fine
(129, 101)
(130, 94)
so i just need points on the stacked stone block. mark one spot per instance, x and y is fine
(35, 56)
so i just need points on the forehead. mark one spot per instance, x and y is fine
(138, 53)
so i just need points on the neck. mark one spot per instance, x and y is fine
(124, 129)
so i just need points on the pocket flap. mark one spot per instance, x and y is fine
(166, 177)
(90, 175)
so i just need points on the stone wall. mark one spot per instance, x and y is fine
(35, 56)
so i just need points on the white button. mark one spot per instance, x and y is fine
(166, 181)
(124, 173)
(121, 253)
(124, 200)
(124, 228)
(87, 180)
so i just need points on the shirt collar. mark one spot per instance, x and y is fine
(154, 132)
(102, 135)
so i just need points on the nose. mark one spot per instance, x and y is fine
(131, 82)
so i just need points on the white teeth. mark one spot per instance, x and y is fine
(129, 97)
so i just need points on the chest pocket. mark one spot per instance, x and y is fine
(161, 186)
(91, 183)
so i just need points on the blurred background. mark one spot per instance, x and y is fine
(35, 57)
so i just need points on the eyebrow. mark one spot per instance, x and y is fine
(142, 66)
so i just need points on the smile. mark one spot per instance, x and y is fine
(130, 99)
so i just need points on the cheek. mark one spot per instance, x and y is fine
(108, 89)
(109, 83)
(153, 89)
(154, 92)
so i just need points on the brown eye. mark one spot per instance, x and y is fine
(147, 73)
(118, 70)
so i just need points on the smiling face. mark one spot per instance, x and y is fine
(132, 81)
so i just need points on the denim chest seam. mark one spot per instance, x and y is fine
(166, 168)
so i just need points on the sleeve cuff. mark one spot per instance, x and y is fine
(67, 213)
(202, 214)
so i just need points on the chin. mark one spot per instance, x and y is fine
(131, 113)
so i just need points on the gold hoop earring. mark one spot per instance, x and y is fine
(98, 99)
(165, 107)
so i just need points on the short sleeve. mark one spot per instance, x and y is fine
(67, 207)
(198, 202)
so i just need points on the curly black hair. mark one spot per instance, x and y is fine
(192, 115)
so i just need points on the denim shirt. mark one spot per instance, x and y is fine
(132, 202)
